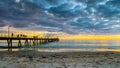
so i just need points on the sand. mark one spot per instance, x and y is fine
(34, 59)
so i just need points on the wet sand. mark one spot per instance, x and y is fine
(34, 59)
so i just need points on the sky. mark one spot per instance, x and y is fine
(66, 16)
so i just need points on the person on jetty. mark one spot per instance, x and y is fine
(18, 35)
(24, 35)
(12, 34)
(21, 35)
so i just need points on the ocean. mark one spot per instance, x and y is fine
(71, 46)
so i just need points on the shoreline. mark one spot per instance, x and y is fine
(34, 53)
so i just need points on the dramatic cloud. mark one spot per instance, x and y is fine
(70, 16)
(2, 23)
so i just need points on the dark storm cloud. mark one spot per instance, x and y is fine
(70, 16)
(2, 23)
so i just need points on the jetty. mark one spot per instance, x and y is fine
(24, 40)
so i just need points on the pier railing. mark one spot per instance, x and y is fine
(15, 35)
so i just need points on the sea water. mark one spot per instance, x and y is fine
(71, 46)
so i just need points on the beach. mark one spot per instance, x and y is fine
(59, 33)
(34, 59)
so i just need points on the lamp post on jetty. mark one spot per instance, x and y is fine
(9, 40)
(9, 30)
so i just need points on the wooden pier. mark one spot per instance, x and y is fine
(33, 41)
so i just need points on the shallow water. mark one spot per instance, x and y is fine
(70, 46)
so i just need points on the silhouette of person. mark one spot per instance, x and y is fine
(18, 35)
(12, 34)
(21, 35)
